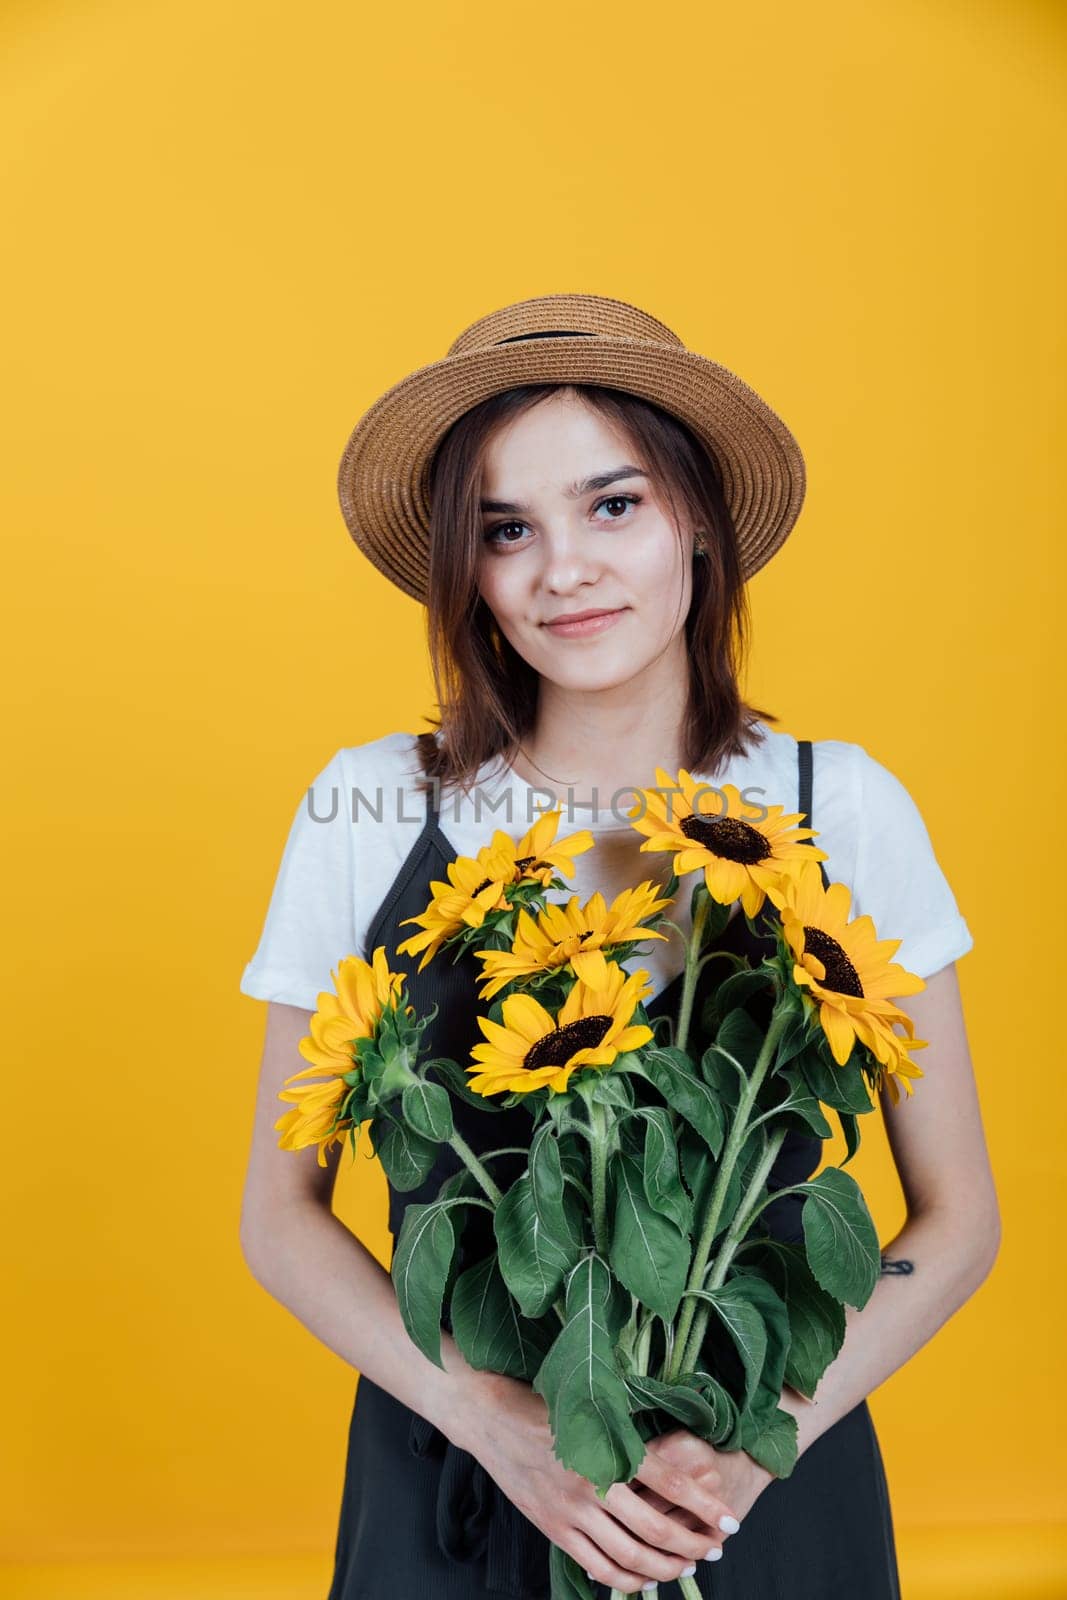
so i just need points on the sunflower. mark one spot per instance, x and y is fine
(574, 933)
(535, 858)
(532, 1047)
(847, 972)
(476, 884)
(741, 858)
(354, 1012)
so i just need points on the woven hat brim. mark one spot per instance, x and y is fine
(383, 478)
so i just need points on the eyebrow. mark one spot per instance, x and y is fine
(599, 480)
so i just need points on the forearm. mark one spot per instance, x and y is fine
(312, 1264)
(948, 1258)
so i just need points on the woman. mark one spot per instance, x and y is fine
(578, 500)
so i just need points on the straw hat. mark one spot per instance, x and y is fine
(383, 481)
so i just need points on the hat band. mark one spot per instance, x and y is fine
(549, 333)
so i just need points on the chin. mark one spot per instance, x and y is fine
(587, 676)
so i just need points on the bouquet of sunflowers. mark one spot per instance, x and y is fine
(632, 1283)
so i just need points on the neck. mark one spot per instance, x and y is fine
(608, 740)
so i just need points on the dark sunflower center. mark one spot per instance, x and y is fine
(523, 862)
(841, 975)
(557, 1047)
(582, 937)
(483, 885)
(729, 837)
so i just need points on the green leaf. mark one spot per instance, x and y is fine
(457, 1082)
(842, 1088)
(373, 1066)
(360, 1044)
(717, 915)
(663, 1187)
(680, 1401)
(677, 1080)
(797, 1036)
(612, 1089)
(722, 1402)
(722, 1076)
(406, 1156)
(774, 1445)
(816, 1319)
(428, 1110)
(533, 1260)
(576, 1210)
(746, 1327)
(738, 1035)
(727, 1415)
(800, 1107)
(841, 1238)
(567, 1576)
(585, 1393)
(648, 1253)
(699, 1167)
(723, 1407)
(735, 991)
(422, 1261)
(851, 1129)
(461, 1182)
(545, 1168)
(488, 1327)
(752, 1284)
(356, 1104)
(633, 1061)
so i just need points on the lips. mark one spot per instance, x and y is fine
(581, 623)
(582, 616)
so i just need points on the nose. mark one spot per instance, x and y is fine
(569, 559)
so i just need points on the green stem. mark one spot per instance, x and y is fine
(467, 1156)
(598, 1162)
(794, 1188)
(735, 1141)
(749, 1209)
(747, 1212)
(689, 983)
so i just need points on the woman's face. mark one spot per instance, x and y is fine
(554, 545)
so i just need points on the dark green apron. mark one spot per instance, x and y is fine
(423, 1520)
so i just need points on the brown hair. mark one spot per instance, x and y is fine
(486, 691)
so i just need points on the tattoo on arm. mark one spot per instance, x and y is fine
(891, 1265)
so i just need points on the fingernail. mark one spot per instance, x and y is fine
(729, 1524)
(715, 1553)
(687, 1572)
(589, 1574)
(651, 1584)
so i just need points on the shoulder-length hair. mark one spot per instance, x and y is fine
(486, 691)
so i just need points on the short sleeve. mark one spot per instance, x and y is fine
(899, 882)
(309, 925)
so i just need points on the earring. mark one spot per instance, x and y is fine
(699, 545)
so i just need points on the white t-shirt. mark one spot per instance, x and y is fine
(357, 822)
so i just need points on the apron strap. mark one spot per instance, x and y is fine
(804, 785)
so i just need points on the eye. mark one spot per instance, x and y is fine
(489, 536)
(618, 499)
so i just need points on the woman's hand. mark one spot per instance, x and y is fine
(737, 1476)
(636, 1535)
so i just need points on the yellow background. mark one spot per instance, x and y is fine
(229, 228)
